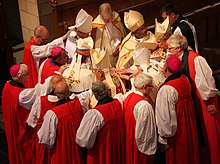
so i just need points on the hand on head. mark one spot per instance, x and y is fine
(65, 36)
(63, 68)
(55, 80)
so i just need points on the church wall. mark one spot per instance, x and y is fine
(29, 17)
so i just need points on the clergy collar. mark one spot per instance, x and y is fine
(62, 101)
(17, 84)
(52, 98)
(181, 56)
(105, 100)
(137, 39)
(177, 22)
(53, 63)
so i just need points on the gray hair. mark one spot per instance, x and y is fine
(22, 71)
(100, 90)
(104, 4)
(178, 41)
(142, 80)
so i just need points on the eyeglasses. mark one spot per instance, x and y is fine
(63, 57)
(44, 39)
(151, 86)
(171, 48)
(25, 74)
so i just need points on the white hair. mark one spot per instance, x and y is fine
(178, 41)
(104, 4)
(142, 80)
(22, 71)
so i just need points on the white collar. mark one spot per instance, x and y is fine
(181, 56)
(52, 98)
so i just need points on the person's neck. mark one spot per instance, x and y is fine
(141, 90)
(105, 100)
(20, 81)
(137, 37)
(180, 53)
(17, 83)
(56, 63)
(176, 17)
(167, 74)
(62, 100)
(63, 97)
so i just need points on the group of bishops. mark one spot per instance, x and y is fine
(100, 95)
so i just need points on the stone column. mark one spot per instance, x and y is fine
(29, 17)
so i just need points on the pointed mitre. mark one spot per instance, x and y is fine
(133, 20)
(83, 48)
(162, 30)
(83, 22)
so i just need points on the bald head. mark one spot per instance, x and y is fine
(41, 30)
(55, 80)
(62, 90)
(105, 7)
(105, 12)
(41, 34)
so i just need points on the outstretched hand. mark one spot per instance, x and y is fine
(65, 36)
(63, 67)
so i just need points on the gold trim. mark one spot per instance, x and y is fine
(137, 25)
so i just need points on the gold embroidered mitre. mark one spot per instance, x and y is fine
(133, 20)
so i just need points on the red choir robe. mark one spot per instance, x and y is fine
(210, 124)
(29, 61)
(109, 144)
(183, 146)
(48, 70)
(42, 152)
(20, 136)
(132, 154)
(65, 149)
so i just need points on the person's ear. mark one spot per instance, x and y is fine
(164, 68)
